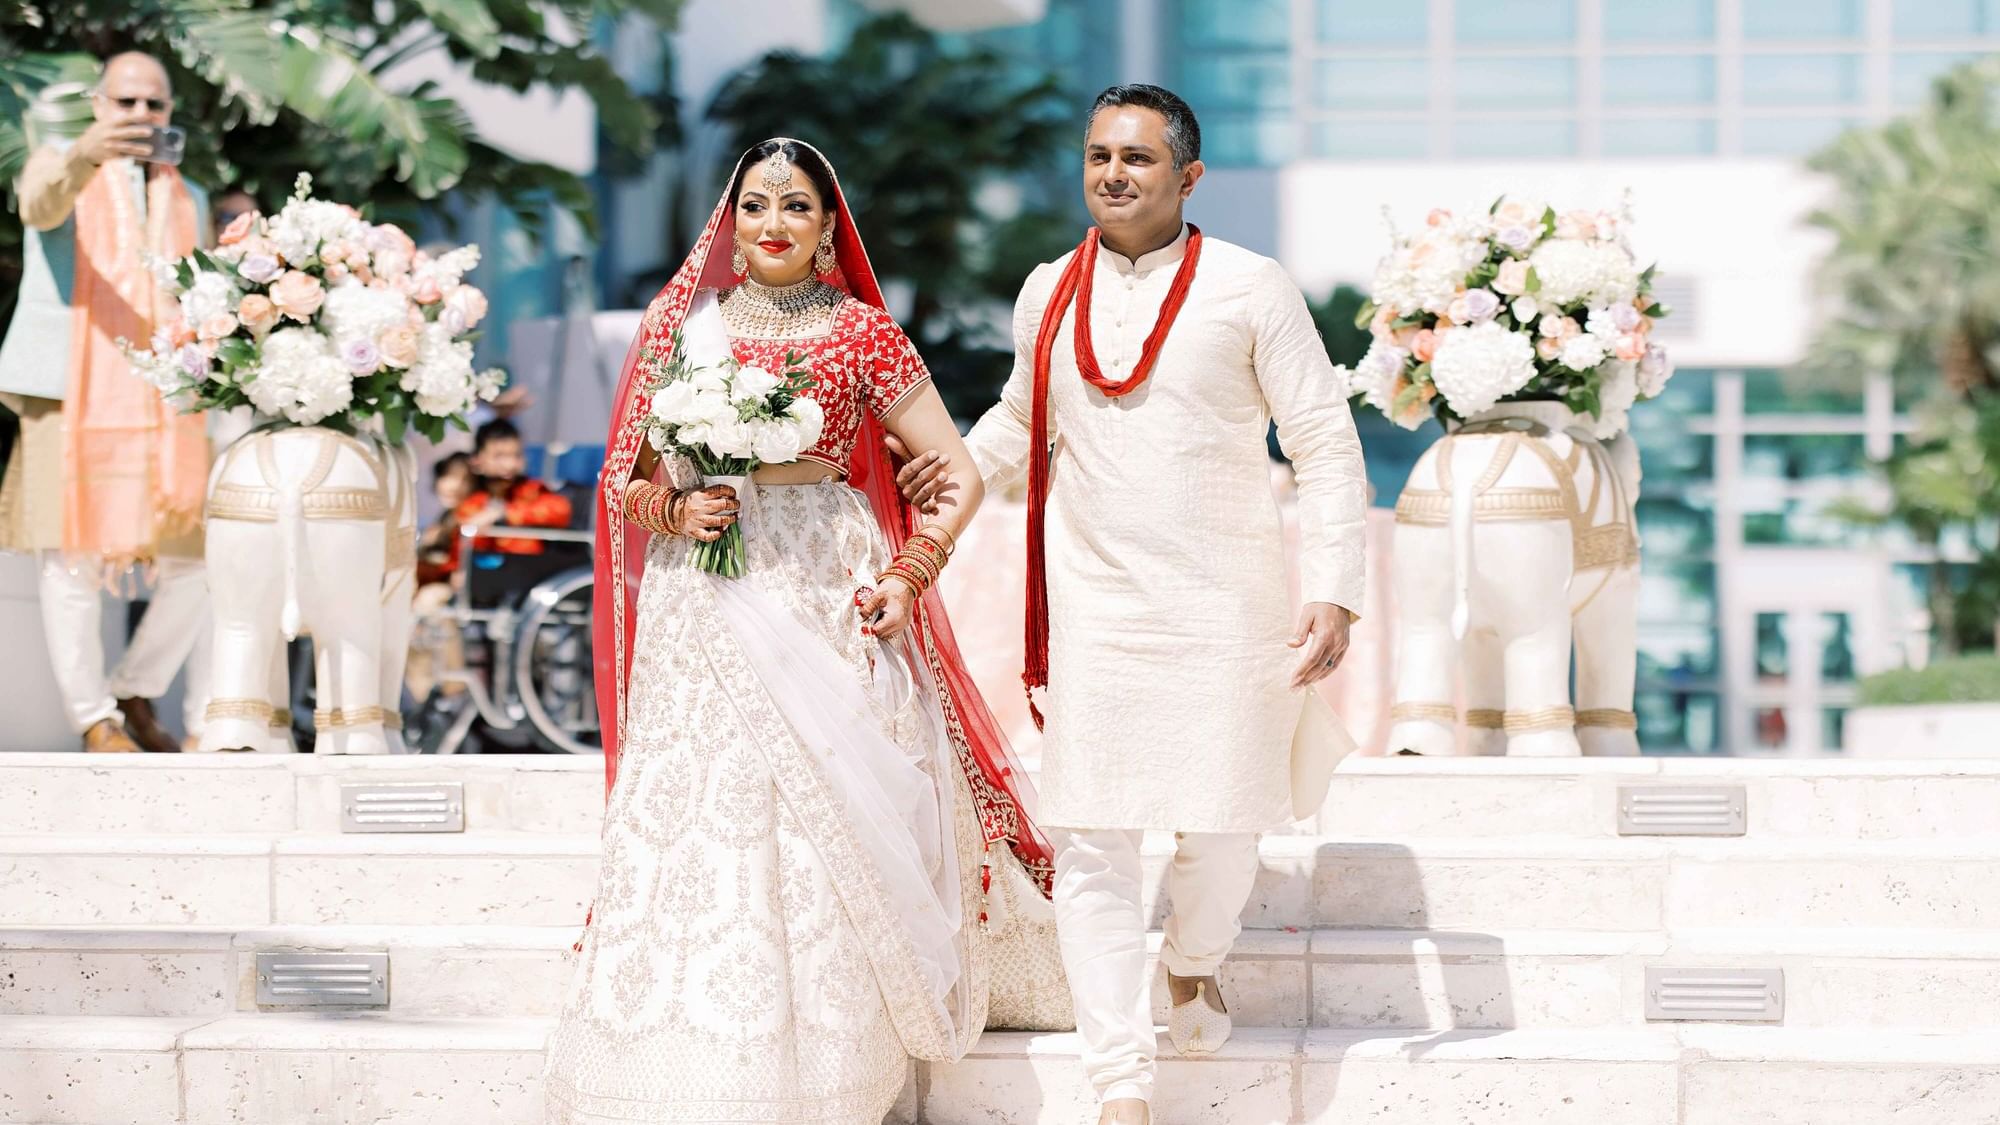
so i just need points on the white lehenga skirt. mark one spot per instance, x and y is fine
(743, 964)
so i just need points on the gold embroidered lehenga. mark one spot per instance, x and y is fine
(811, 837)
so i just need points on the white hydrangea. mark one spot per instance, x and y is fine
(300, 379)
(1426, 273)
(1582, 351)
(1617, 390)
(448, 269)
(1572, 272)
(210, 296)
(354, 311)
(1479, 365)
(442, 378)
(1375, 376)
(304, 225)
(1654, 371)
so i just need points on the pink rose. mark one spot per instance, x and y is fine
(216, 327)
(1548, 347)
(238, 229)
(298, 295)
(426, 292)
(1630, 347)
(388, 238)
(1438, 217)
(1513, 278)
(333, 252)
(1405, 337)
(468, 303)
(391, 263)
(258, 313)
(337, 273)
(398, 346)
(1424, 345)
(1516, 213)
(1577, 224)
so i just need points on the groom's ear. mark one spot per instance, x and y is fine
(1190, 176)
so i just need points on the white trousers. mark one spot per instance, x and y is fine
(1101, 924)
(176, 629)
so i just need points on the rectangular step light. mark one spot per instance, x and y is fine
(402, 806)
(322, 980)
(1733, 995)
(1683, 810)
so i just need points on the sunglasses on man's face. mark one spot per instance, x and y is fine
(153, 105)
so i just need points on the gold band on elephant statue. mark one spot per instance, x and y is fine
(1593, 545)
(385, 502)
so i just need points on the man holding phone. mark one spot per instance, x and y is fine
(106, 476)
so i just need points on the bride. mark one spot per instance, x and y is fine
(817, 853)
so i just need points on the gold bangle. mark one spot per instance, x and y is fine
(932, 531)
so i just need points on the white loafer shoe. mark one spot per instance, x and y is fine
(1196, 1027)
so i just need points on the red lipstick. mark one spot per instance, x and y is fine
(771, 247)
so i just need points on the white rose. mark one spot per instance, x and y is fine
(776, 441)
(730, 438)
(753, 384)
(674, 403)
(695, 434)
(811, 419)
(709, 379)
(712, 406)
(1525, 310)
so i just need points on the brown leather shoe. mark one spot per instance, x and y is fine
(145, 728)
(107, 737)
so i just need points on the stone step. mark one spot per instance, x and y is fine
(1341, 979)
(1480, 885)
(1388, 798)
(372, 1069)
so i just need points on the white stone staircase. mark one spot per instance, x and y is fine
(1461, 942)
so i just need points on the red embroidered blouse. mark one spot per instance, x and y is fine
(865, 360)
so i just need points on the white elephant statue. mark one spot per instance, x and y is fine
(1538, 522)
(311, 531)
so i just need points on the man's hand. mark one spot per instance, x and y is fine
(1322, 633)
(105, 140)
(921, 479)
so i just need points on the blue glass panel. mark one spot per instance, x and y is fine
(1345, 22)
(1679, 136)
(1236, 23)
(1378, 139)
(1801, 79)
(1514, 138)
(1241, 140)
(1946, 19)
(1802, 19)
(1910, 81)
(1545, 22)
(1372, 83)
(1655, 21)
(1241, 82)
(1659, 80)
(1514, 83)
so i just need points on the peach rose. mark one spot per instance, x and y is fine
(238, 229)
(338, 273)
(1577, 224)
(1424, 345)
(391, 263)
(1512, 278)
(258, 313)
(1630, 347)
(398, 346)
(1379, 326)
(216, 327)
(298, 295)
(1548, 347)
(426, 292)
(388, 238)
(1438, 217)
(467, 305)
(1404, 337)
(1516, 213)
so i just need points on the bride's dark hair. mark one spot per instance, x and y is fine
(803, 157)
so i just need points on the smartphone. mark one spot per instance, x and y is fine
(166, 144)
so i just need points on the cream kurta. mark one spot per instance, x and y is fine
(1169, 703)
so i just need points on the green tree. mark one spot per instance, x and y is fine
(1914, 281)
(1346, 342)
(267, 90)
(917, 130)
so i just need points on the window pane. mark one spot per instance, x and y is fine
(1669, 526)
(1405, 139)
(1514, 138)
(1770, 391)
(1247, 81)
(1371, 21)
(1774, 658)
(1769, 731)
(1677, 721)
(1912, 74)
(1373, 83)
(1944, 19)
(1804, 457)
(1801, 19)
(1679, 592)
(1515, 83)
(1789, 136)
(1236, 23)
(1801, 79)
(1692, 136)
(1237, 140)
(1546, 22)
(1677, 655)
(1833, 731)
(1836, 649)
(1659, 80)
(1653, 21)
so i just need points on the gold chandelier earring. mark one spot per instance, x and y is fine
(737, 261)
(823, 258)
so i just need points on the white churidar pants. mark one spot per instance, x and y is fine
(176, 629)
(1101, 922)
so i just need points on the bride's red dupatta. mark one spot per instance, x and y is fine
(999, 787)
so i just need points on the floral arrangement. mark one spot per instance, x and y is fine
(1518, 303)
(729, 418)
(317, 317)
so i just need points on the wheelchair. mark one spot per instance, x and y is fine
(519, 676)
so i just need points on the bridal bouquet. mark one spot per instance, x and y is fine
(320, 318)
(1518, 303)
(729, 418)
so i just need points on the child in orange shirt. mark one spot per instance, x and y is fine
(503, 497)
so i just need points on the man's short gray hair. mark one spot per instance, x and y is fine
(1183, 131)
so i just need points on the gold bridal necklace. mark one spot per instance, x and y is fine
(778, 312)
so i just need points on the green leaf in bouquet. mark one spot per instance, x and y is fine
(235, 352)
(1548, 222)
(458, 422)
(1482, 274)
(1410, 320)
(395, 419)
(1420, 375)
(1406, 399)
(184, 270)
(1659, 310)
(1534, 281)
(1365, 315)
(1646, 275)
(431, 426)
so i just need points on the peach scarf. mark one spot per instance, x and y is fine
(134, 469)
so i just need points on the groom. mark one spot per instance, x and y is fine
(1148, 365)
